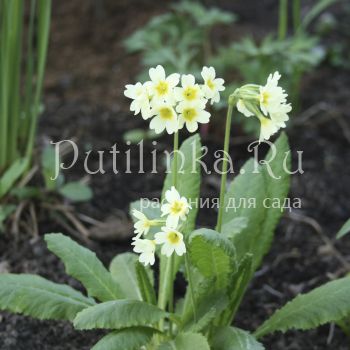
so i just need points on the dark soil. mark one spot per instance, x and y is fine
(87, 71)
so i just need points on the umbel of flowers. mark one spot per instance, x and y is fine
(171, 107)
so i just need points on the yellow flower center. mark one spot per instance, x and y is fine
(210, 84)
(176, 208)
(189, 114)
(162, 88)
(147, 224)
(173, 237)
(265, 98)
(166, 113)
(190, 93)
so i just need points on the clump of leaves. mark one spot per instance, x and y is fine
(178, 40)
(122, 299)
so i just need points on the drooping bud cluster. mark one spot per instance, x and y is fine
(268, 103)
(171, 107)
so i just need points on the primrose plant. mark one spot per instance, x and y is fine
(217, 264)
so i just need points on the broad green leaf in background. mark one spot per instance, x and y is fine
(186, 341)
(213, 255)
(345, 229)
(82, 264)
(235, 226)
(76, 191)
(257, 237)
(229, 338)
(35, 296)
(123, 271)
(324, 304)
(126, 339)
(119, 314)
(12, 175)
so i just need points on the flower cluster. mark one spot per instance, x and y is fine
(170, 106)
(268, 103)
(174, 212)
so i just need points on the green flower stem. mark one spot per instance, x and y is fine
(224, 164)
(283, 19)
(166, 290)
(190, 286)
(296, 15)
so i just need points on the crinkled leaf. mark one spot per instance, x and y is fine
(186, 341)
(126, 339)
(324, 304)
(35, 296)
(82, 264)
(238, 285)
(209, 303)
(119, 314)
(213, 255)
(229, 338)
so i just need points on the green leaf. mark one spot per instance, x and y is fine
(239, 285)
(48, 163)
(12, 175)
(324, 304)
(82, 264)
(213, 255)
(186, 341)
(345, 229)
(5, 212)
(258, 183)
(229, 338)
(118, 314)
(209, 303)
(35, 296)
(235, 226)
(127, 339)
(123, 271)
(145, 282)
(76, 192)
